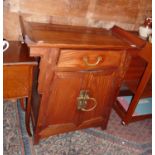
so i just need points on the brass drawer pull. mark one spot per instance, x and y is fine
(85, 59)
(82, 101)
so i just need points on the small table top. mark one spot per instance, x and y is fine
(18, 54)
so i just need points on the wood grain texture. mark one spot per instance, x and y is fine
(61, 95)
(64, 36)
(59, 100)
(16, 85)
(58, 111)
(75, 59)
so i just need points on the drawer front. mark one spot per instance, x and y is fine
(15, 81)
(84, 59)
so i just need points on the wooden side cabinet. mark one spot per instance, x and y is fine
(75, 94)
(79, 76)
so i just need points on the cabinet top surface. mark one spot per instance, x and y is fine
(17, 54)
(63, 36)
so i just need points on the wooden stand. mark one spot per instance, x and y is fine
(18, 75)
(140, 87)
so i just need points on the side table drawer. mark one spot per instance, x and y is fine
(88, 59)
(15, 81)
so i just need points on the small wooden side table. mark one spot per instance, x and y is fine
(18, 75)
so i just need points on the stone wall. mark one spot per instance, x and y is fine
(128, 14)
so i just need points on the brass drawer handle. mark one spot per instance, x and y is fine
(85, 59)
(82, 101)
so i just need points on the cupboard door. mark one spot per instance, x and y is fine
(101, 91)
(61, 107)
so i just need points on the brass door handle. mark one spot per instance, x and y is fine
(93, 107)
(82, 101)
(85, 60)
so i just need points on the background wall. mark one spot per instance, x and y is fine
(128, 14)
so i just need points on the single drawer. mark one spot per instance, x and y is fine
(89, 59)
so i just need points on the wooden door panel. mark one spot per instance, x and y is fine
(62, 108)
(100, 87)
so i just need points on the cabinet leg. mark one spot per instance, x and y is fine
(126, 120)
(36, 139)
(104, 125)
(27, 116)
